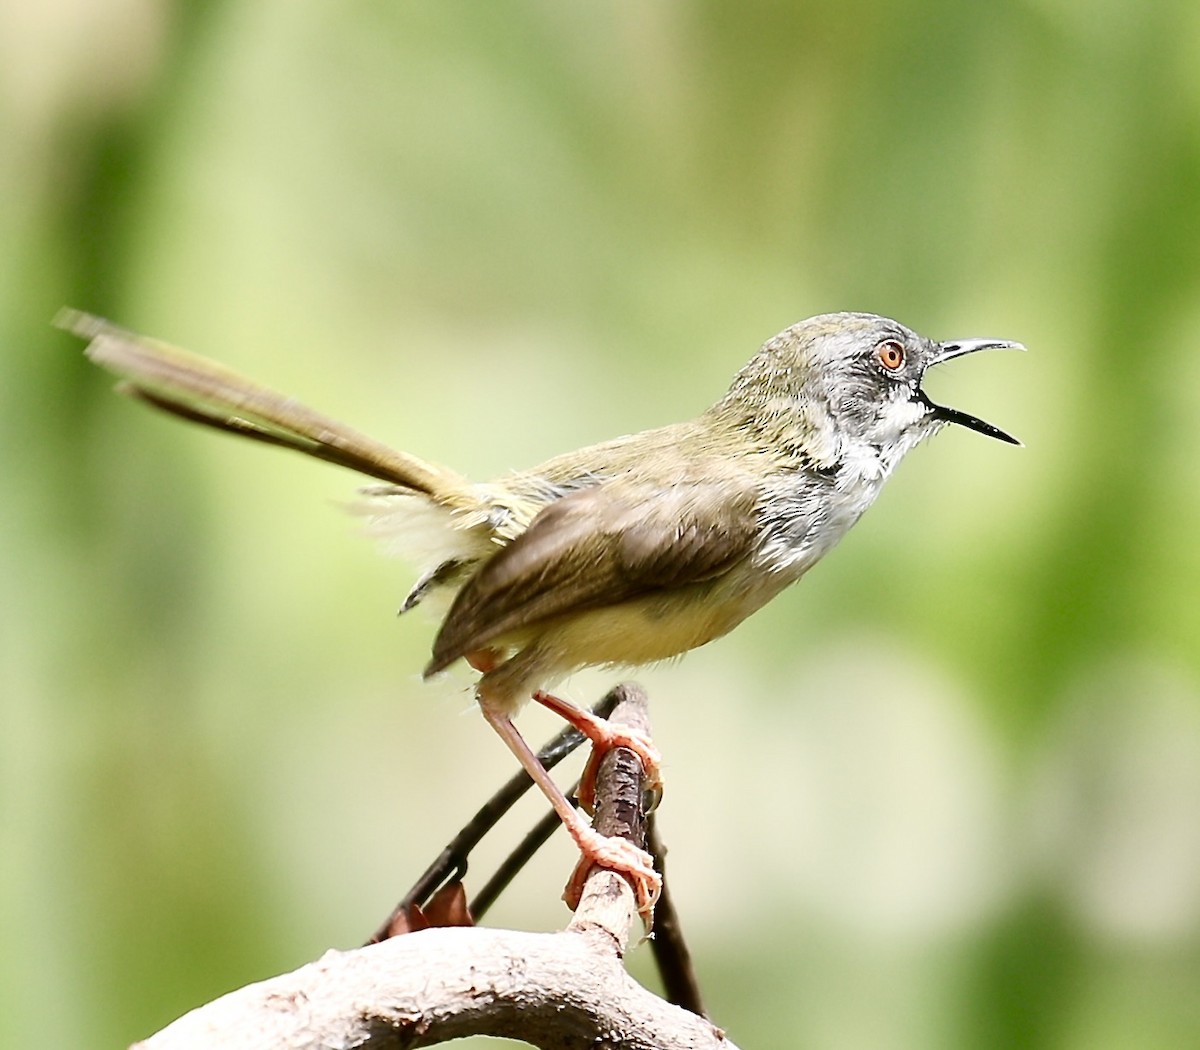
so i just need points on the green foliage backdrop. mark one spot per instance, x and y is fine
(945, 793)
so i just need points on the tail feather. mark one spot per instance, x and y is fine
(204, 392)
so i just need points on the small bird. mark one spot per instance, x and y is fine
(623, 553)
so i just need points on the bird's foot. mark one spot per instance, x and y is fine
(617, 855)
(604, 737)
(619, 736)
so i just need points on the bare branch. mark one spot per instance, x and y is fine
(554, 990)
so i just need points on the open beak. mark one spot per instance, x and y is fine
(947, 352)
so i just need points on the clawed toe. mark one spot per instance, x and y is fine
(625, 859)
(619, 736)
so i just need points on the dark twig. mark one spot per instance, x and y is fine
(668, 946)
(538, 835)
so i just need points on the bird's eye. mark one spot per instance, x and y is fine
(890, 355)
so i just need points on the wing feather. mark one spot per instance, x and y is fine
(598, 547)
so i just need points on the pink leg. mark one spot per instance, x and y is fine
(614, 853)
(604, 737)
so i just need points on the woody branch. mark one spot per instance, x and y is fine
(552, 990)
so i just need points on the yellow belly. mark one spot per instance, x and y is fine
(656, 626)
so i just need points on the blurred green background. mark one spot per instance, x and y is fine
(946, 793)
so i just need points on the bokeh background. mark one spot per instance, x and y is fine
(945, 793)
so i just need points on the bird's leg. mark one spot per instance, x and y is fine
(604, 737)
(615, 854)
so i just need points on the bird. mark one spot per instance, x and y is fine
(623, 553)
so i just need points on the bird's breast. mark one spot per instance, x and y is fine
(803, 514)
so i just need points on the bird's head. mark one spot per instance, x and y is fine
(845, 382)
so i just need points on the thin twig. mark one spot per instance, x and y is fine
(670, 950)
(537, 837)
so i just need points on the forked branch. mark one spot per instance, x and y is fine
(552, 990)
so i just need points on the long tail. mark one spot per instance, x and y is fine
(202, 391)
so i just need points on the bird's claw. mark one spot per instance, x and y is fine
(621, 857)
(620, 736)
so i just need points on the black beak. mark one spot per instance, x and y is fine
(958, 348)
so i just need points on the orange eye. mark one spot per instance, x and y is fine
(890, 354)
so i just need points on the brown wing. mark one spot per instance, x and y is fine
(600, 546)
